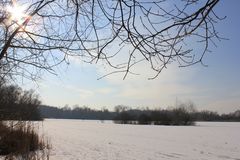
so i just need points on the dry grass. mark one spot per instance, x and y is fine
(19, 140)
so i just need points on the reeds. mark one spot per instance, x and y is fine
(20, 140)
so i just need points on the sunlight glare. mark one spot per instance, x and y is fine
(17, 13)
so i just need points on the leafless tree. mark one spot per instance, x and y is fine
(154, 31)
(17, 104)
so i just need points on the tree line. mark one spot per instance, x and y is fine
(183, 114)
(19, 104)
(76, 112)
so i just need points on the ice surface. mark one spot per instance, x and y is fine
(93, 140)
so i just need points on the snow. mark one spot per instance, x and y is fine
(93, 140)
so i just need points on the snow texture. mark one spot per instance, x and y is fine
(94, 140)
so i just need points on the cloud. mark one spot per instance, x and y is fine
(79, 92)
(162, 91)
(104, 90)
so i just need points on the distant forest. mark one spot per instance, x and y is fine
(75, 113)
(122, 114)
(19, 104)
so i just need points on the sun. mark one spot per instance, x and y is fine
(17, 13)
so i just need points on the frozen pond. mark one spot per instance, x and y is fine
(93, 140)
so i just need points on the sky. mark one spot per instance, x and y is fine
(216, 87)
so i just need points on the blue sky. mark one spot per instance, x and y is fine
(216, 87)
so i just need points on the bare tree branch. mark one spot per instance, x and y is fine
(158, 32)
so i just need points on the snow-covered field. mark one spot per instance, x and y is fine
(93, 140)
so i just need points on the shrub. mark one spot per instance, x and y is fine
(176, 116)
(182, 117)
(144, 119)
(124, 118)
(162, 117)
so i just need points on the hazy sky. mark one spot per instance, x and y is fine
(216, 87)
